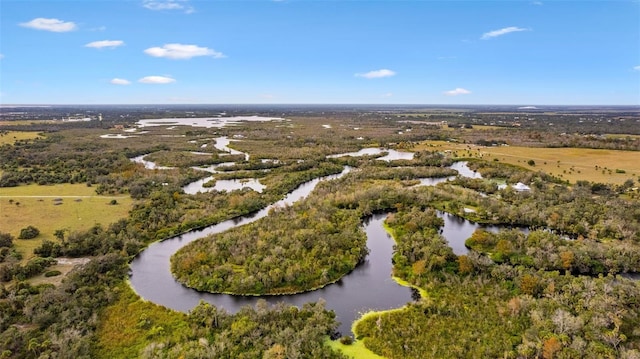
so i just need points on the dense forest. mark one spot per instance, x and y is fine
(499, 308)
(554, 290)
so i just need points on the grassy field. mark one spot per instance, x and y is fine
(355, 350)
(572, 164)
(48, 208)
(12, 136)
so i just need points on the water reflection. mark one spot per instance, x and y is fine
(223, 185)
(391, 154)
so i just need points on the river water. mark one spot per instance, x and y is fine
(368, 287)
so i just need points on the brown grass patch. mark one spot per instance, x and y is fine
(572, 164)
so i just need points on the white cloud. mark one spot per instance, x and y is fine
(156, 80)
(182, 52)
(377, 74)
(105, 43)
(388, 94)
(457, 91)
(1, 56)
(158, 5)
(117, 81)
(504, 31)
(636, 68)
(54, 25)
(536, 3)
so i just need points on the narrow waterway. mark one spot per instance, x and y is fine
(368, 287)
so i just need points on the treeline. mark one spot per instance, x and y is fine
(46, 321)
(56, 159)
(582, 210)
(10, 261)
(402, 173)
(558, 131)
(543, 250)
(7, 248)
(132, 328)
(62, 322)
(266, 332)
(46, 161)
(185, 158)
(475, 307)
(511, 174)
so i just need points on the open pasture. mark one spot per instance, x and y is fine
(572, 164)
(73, 207)
(10, 137)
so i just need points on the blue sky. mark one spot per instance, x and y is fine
(311, 51)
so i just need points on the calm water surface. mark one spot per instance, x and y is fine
(368, 287)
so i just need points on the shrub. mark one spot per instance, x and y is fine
(52, 273)
(6, 240)
(48, 249)
(29, 232)
(346, 340)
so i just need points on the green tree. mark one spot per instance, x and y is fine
(29, 232)
(6, 240)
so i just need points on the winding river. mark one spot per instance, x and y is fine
(368, 287)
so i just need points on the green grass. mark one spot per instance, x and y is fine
(34, 205)
(356, 350)
(126, 327)
(12, 136)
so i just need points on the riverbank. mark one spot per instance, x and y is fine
(357, 349)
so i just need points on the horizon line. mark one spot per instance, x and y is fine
(305, 104)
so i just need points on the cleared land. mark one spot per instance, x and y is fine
(64, 265)
(68, 206)
(572, 164)
(12, 136)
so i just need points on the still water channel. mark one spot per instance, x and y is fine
(368, 287)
